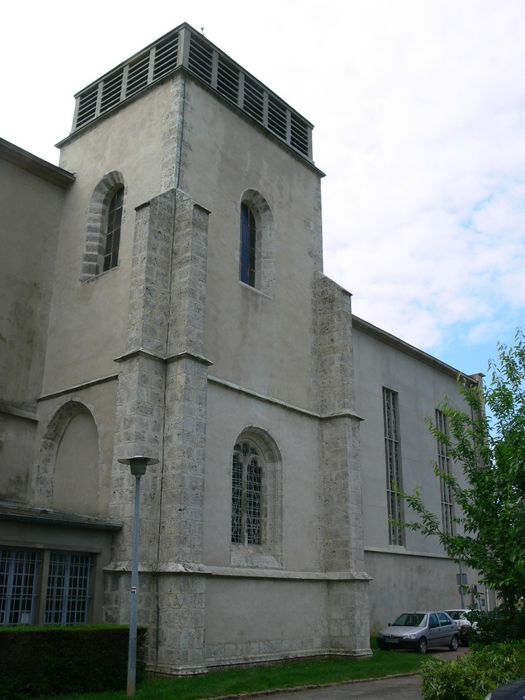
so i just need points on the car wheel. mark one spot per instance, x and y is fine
(454, 643)
(422, 646)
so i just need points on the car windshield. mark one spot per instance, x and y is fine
(456, 614)
(410, 620)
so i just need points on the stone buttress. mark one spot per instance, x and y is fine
(341, 491)
(161, 412)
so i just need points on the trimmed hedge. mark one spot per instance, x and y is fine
(54, 659)
(472, 676)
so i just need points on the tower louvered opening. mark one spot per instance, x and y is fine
(186, 48)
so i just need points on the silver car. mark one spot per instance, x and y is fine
(420, 631)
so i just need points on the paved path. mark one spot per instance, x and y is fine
(399, 688)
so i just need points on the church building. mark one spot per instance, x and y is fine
(163, 295)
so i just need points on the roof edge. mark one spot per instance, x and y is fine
(35, 165)
(411, 350)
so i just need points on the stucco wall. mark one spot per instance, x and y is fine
(30, 209)
(297, 493)
(263, 342)
(88, 322)
(421, 389)
(406, 583)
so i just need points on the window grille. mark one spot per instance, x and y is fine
(248, 246)
(236, 498)
(445, 467)
(247, 475)
(68, 588)
(113, 230)
(393, 466)
(19, 578)
(200, 57)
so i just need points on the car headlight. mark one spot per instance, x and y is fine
(410, 636)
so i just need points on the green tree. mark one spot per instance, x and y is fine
(488, 442)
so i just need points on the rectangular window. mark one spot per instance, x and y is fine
(67, 599)
(444, 464)
(19, 586)
(44, 587)
(396, 533)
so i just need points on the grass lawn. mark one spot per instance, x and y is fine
(290, 675)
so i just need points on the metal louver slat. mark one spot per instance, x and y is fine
(166, 55)
(87, 106)
(299, 135)
(253, 99)
(227, 80)
(137, 76)
(111, 91)
(200, 59)
(276, 117)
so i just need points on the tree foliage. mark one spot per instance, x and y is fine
(488, 442)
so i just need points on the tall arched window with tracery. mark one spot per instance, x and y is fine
(247, 482)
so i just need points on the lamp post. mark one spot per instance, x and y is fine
(137, 466)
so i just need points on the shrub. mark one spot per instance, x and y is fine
(472, 676)
(52, 660)
(500, 625)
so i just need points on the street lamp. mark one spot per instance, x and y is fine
(138, 466)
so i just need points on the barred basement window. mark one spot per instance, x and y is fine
(444, 465)
(247, 474)
(393, 466)
(113, 230)
(19, 586)
(248, 245)
(68, 587)
(44, 587)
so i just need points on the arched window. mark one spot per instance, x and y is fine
(113, 230)
(247, 480)
(257, 245)
(256, 500)
(103, 226)
(248, 245)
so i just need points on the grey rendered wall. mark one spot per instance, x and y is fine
(421, 388)
(417, 575)
(88, 321)
(30, 209)
(262, 342)
(402, 582)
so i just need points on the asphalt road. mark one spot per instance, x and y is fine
(399, 688)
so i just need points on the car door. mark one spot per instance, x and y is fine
(433, 630)
(447, 628)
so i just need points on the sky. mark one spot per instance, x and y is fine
(419, 114)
